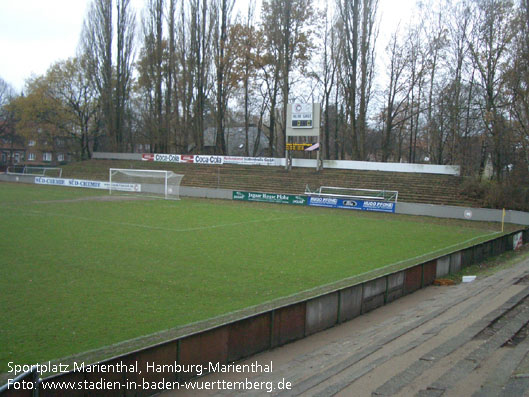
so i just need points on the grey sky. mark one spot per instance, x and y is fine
(36, 33)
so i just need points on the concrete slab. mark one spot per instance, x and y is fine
(455, 262)
(289, 324)
(413, 279)
(374, 294)
(248, 336)
(443, 267)
(322, 313)
(395, 286)
(351, 302)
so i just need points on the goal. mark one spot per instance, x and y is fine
(154, 183)
(354, 193)
(34, 170)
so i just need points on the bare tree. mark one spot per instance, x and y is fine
(358, 19)
(151, 67)
(395, 95)
(110, 75)
(328, 77)
(245, 41)
(286, 25)
(223, 65)
(517, 77)
(7, 117)
(201, 30)
(491, 37)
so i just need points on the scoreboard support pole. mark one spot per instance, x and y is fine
(288, 157)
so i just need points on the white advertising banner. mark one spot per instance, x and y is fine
(251, 160)
(126, 187)
(210, 159)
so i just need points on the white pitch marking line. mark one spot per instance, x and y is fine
(190, 229)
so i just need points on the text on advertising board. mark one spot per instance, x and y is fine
(352, 204)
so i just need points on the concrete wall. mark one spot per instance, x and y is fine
(202, 192)
(395, 288)
(339, 164)
(17, 178)
(116, 156)
(447, 211)
(322, 313)
(350, 302)
(374, 294)
(379, 166)
(443, 266)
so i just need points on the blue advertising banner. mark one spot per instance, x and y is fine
(352, 204)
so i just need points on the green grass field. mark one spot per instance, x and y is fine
(78, 272)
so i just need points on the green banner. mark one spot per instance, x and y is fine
(270, 198)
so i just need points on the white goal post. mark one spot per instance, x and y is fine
(35, 170)
(154, 183)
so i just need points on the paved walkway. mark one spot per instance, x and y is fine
(464, 340)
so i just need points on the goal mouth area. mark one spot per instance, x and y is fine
(354, 193)
(147, 183)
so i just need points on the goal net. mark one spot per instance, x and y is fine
(154, 183)
(33, 170)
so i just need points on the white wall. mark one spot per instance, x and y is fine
(338, 164)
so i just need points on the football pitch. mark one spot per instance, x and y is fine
(80, 270)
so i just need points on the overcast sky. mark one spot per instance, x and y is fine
(36, 33)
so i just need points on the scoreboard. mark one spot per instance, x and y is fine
(302, 115)
(303, 122)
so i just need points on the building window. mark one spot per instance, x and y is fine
(31, 143)
(31, 156)
(46, 156)
(4, 158)
(60, 157)
(17, 158)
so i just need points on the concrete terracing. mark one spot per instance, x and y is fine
(413, 188)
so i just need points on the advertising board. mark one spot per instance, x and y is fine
(125, 187)
(276, 198)
(352, 204)
(209, 159)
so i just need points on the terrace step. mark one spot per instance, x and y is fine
(418, 188)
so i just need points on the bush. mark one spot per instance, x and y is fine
(510, 194)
